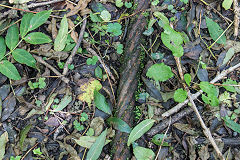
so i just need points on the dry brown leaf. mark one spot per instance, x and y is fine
(74, 34)
(81, 6)
(54, 28)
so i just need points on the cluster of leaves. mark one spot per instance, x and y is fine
(78, 126)
(39, 84)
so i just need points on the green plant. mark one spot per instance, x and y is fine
(114, 28)
(92, 61)
(119, 48)
(128, 4)
(29, 23)
(37, 151)
(84, 117)
(70, 66)
(119, 3)
(15, 158)
(78, 126)
(184, 1)
(61, 65)
(211, 93)
(38, 84)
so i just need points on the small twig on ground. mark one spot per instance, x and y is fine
(32, 5)
(40, 60)
(236, 17)
(194, 96)
(74, 51)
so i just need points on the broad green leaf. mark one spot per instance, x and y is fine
(100, 102)
(9, 70)
(105, 15)
(61, 39)
(229, 55)
(39, 19)
(23, 134)
(96, 149)
(128, 4)
(228, 87)
(98, 72)
(215, 31)
(37, 38)
(227, 4)
(114, 28)
(159, 72)
(180, 95)
(142, 153)
(187, 78)
(12, 37)
(25, 24)
(231, 124)
(2, 47)
(3, 142)
(163, 20)
(119, 124)
(64, 102)
(139, 130)
(87, 141)
(158, 140)
(210, 89)
(22, 56)
(119, 3)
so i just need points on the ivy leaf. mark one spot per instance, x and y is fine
(119, 124)
(2, 47)
(128, 4)
(142, 153)
(227, 4)
(37, 38)
(100, 102)
(159, 72)
(25, 24)
(61, 39)
(227, 86)
(105, 15)
(180, 95)
(96, 149)
(39, 19)
(114, 28)
(139, 130)
(12, 37)
(9, 70)
(22, 56)
(215, 31)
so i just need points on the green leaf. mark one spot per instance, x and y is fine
(3, 142)
(61, 39)
(23, 134)
(100, 102)
(9, 70)
(105, 15)
(25, 24)
(139, 130)
(37, 151)
(227, 4)
(158, 138)
(163, 20)
(22, 56)
(210, 89)
(12, 37)
(231, 124)
(230, 53)
(119, 3)
(228, 87)
(119, 124)
(98, 72)
(64, 102)
(187, 78)
(120, 48)
(2, 47)
(128, 4)
(87, 141)
(215, 31)
(96, 149)
(39, 19)
(142, 153)
(37, 38)
(159, 72)
(114, 28)
(180, 95)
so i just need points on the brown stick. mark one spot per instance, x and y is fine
(128, 81)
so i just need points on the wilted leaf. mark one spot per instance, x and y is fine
(185, 128)
(25, 24)
(60, 41)
(159, 72)
(39, 19)
(96, 149)
(22, 56)
(3, 142)
(139, 130)
(100, 102)
(23, 134)
(12, 37)
(9, 70)
(215, 31)
(37, 38)
(119, 124)
(2, 47)
(87, 141)
(142, 153)
(97, 125)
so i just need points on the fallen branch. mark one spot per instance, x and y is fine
(33, 5)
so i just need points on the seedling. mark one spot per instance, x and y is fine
(78, 126)
(39, 84)
(92, 61)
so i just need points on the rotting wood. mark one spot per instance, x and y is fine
(129, 79)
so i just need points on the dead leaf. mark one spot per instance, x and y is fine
(3, 142)
(52, 122)
(81, 6)
(54, 28)
(97, 125)
(185, 128)
(74, 34)
(203, 153)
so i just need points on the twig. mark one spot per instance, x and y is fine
(74, 51)
(194, 96)
(236, 17)
(40, 60)
(43, 3)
